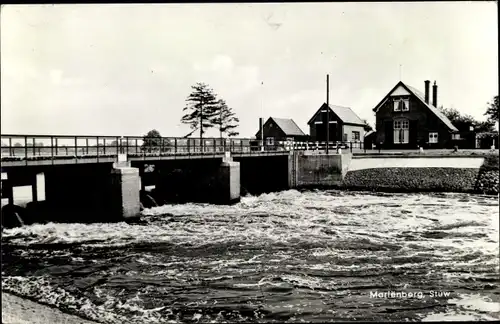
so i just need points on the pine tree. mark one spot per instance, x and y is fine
(226, 120)
(202, 107)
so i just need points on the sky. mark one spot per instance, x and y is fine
(123, 70)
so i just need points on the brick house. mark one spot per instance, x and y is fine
(405, 119)
(279, 130)
(344, 124)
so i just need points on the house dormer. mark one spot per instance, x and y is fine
(400, 99)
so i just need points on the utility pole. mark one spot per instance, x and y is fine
(327, 112)
(201, 124)
(220, 124)
(262, 114)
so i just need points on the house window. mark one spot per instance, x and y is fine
(270, 141)
(355, 136)
(345, 138)
(433, 137)
(406, 105)
(401, 104)
(401, 131)
(455, 136)
(289, 139)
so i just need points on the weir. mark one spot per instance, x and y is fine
(103, 192)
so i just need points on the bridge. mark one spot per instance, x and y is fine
(89, 178)
(27, 150)
(36, 150)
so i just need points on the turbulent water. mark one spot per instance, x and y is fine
(289, 256)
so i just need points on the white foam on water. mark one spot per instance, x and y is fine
(473, 307)
(349, 227)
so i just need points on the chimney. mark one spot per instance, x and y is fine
(261, 130)
(427, 82)
(435, 94)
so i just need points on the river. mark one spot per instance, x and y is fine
(290, 256)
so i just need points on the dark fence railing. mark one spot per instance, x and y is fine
(50, 147)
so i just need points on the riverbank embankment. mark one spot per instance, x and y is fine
(421, 174)
(18, 310)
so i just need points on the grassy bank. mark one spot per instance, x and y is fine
(412, 179)
(484, 181)
(488, 178)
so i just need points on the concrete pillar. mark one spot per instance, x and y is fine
(34, 188)
(7, 190)
(125, 191)
(229, 182)
(292, 169)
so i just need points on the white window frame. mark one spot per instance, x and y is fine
(396, 105)
(455, 136)
(270, 141)
(354, 139)
(406, 104)
(401, 131)
(433, 137)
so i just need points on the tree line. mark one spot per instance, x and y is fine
(204, 110)
(463, 122)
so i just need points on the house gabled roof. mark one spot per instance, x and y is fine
(421, 97)
(288, 126)
(345, 114)
(370, 132)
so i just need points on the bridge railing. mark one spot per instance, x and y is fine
(48, 147)
(349, 146)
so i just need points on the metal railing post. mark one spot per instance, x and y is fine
(34, 147)
(57, 148)
(136, 148)
(87, 145)
(76, 147)
(97, 148)
(241, 146)
(52, 147)
(26, 148)
(215, 146)
(126, 141)
(10, 146)
(117, 147)
(350, 144)
(189, 149)
(175, 146)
